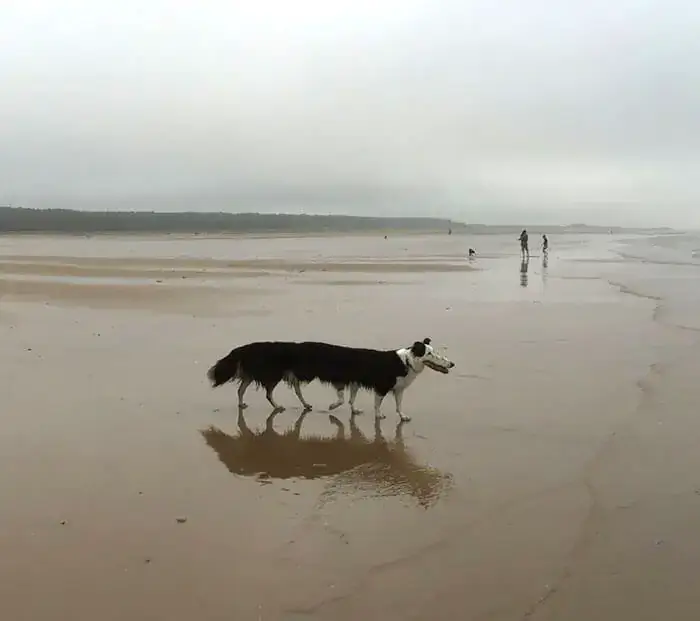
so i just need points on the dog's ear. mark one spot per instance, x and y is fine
(418, 349)
(427, 341)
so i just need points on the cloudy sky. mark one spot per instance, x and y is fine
(480, 110)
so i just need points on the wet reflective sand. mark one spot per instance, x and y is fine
(551, 475)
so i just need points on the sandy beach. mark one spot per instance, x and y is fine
(553, 475)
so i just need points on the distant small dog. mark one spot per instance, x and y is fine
(382, 371)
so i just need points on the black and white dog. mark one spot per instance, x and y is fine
(268, 363)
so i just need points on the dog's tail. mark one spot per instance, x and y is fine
(225, 369)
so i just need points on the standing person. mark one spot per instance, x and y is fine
(524, 248)
(545, 244)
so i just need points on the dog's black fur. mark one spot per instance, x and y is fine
(267, 363)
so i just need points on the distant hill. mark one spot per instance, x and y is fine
(69, 221)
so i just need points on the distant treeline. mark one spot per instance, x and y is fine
(552, 229)
(73, 221)
(69, 221)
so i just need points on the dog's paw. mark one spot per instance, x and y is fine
(355, 411)
(404, 418)
(242, 406)
(379, 416)
(308, 407)
(335, 405)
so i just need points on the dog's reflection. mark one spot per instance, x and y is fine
(352, 462)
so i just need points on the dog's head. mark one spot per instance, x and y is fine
(422, 354)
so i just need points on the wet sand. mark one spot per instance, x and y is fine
(552, 475)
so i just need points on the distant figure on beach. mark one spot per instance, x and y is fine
(524, 248)
(545, 245)
(472, 253)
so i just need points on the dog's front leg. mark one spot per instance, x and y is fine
(398, 397)
(340, 435)
(377, 405)
(353, 395)
(297, 426)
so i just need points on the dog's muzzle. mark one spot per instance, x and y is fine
(439, 368)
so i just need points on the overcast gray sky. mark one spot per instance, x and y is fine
(480, 110)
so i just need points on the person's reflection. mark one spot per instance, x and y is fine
(545, 265)
(523, 271)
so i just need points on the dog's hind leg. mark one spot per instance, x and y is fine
(296, 385)
(341, 397)
(268, 393)
(354, 388)
(377, 405)
(398, 397)
(245, 382)
(243, 426)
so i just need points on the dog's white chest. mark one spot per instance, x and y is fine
(404, 381)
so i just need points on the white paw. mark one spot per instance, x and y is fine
(335, 406)
(242, 406)
(379, 416)
(355, 411)
(404, 418)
